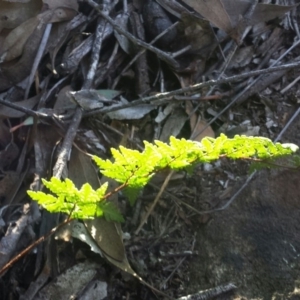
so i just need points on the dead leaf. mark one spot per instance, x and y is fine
(262, 13)
(14, 43)
(59, 34)
(122, 20)
(198, 33)
(87, 99)
(46, 140)
(189, 108)
(82, 170)
(173, 7)
(214, 11)
(173, 124)
(108, 235)
(14, 72)
(53, 4)
(13, 14)
(226, 14)
(63, 105)
(199, 132)
(242, 57)
(131, 113)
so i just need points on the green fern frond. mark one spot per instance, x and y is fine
(133, 170)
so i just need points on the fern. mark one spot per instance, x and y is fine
(85, 203)
(133, 170)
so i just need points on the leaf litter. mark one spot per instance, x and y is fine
(99, 76)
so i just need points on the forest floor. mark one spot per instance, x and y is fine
(80, 78)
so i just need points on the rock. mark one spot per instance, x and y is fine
(255, 242)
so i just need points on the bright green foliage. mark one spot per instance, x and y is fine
(80, 204)
(133, 170)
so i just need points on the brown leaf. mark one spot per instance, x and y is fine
(198, 33)
(26, 36)
(14, 72)
(14, 43)
(108, 235)
(82, 170)
(226, 14)
(13, 14)
(193, 116)
(199, 133)
(197, 125)
(214, 11)
(262, 13)
(173, 124)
